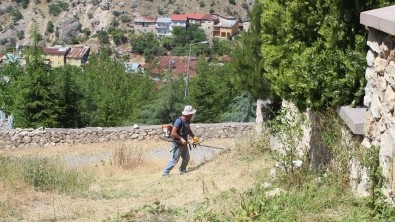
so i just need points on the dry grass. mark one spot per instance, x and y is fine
(128, 158)
(116, 190)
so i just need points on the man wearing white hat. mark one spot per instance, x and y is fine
(180, 133)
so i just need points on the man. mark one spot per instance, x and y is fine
(180, 132)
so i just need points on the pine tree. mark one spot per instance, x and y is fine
(35, 104)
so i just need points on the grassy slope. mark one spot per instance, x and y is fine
(115, 192)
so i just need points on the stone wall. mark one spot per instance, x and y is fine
(26, 138)
(380, 101)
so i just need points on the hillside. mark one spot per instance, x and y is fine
(85, 17)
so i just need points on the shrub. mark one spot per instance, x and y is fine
(116, 13)
(50, 27)
(16, 14)
(20, 34)
(125, 19)
(232, 2)
(202, 4)
(56, 8)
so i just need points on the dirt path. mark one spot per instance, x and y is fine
(117, 191)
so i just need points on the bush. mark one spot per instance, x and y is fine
(125, 19)
(20, 34)
(232, 2)
(202, 4)
(56, 8)
(16, 14)
(50, 27)
(116, 13)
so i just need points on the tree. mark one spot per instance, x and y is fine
(146, 44)
(192, 34)
(314, 53)
(69, 95)
(111, 96)
(241, 109)
(9, 74)
(103, 37)
(35, 103)
(211, 91)
(50, 27)
(166, 107)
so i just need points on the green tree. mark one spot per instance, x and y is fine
(192, 34)
(103, 37)
(247, 60)
(69, 95)
(35, 103)
(166, 107)
(9, 74)
(314, 53)
(211, 91)
(241, 109)
(50, 27)
(111, 96)
(146, 44)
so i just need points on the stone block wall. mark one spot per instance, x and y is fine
(380, 102)
(50, 137)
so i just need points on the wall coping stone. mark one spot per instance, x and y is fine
(354, 118)
(382, 19)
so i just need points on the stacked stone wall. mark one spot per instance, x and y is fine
(50, 137)
(380, 102)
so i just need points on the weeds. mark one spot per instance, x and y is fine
(154, 212)
(128, 158)
(43, 174)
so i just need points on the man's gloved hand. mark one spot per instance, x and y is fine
(195, 139)
(183, 142)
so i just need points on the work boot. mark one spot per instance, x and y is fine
(183, 172)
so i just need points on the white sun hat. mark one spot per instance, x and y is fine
(188, 110)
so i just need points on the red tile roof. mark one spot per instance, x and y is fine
(77, 53)
(179, 17)
(55, 50)
(199, 16)
(178, 66)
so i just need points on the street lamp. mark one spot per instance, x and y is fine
(189, 59)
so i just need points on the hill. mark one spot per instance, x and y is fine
(61, 21)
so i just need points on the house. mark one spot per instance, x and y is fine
(199, 18)
(133, 67)
(56, 56)
(226, 28)
(78, 56)
(179, 20)
(145, 24)
(163, 27)
(204, 21)
(177, 65)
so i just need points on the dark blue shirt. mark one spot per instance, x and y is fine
(182, 128)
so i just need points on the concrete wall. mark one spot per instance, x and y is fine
(27, 138)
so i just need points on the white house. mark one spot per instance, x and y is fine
(163, 26)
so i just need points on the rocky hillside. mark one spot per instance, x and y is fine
(61, 21)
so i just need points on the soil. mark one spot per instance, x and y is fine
(117, 191)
